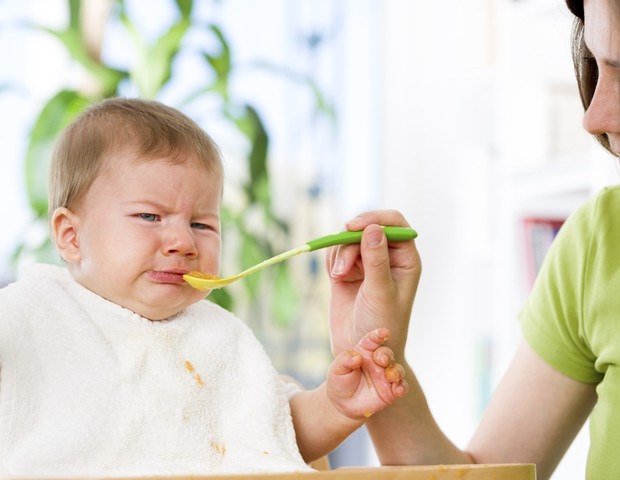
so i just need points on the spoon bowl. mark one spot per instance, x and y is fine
(204, 281)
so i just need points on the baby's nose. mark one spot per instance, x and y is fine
(180, 241)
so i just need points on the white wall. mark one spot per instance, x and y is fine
(436, 157)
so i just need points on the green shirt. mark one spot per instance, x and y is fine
(572, 318)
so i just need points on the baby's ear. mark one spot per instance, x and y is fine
(64, 234)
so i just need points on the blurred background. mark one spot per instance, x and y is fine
(463, 115)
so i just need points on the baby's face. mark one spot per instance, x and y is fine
(141, 226)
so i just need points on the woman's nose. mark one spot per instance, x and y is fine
(603, 114)
(180, 240)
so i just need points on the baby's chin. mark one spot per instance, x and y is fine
(151, 310)
(161, 314)
(154, 302)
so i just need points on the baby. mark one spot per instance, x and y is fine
(114, 366)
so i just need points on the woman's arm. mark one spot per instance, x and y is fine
(406, 432)
(533, 416)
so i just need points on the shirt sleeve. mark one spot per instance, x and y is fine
(552, 318)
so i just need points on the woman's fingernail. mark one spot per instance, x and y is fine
(338, 268)
(374, 237)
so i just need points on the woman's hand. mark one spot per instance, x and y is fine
(373, 283)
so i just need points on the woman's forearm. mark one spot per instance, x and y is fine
(406, 433)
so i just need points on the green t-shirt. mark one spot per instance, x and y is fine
(572, 318)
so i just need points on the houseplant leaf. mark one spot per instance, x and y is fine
(153, 65)
(54, 117)
(221, 63)
(75, 44)
(185, 7)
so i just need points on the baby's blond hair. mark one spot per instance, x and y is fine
(147, 128)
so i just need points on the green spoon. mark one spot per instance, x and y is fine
(203, 281)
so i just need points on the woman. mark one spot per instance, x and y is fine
(567, 369)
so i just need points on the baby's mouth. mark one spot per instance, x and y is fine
(172, 277)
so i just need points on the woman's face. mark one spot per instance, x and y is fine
(602, 37)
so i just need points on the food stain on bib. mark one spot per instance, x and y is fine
(218, 447)
(190, 368)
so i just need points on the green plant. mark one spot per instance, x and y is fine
(152, 71)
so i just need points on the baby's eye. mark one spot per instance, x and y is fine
(199, 226)
(149, 217)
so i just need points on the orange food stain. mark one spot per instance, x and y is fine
(190, 368)
(392, 373)
(218, 447)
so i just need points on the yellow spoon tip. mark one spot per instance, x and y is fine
(200, 280)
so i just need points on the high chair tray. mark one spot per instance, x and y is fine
(429, 472)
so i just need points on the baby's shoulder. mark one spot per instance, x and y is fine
(15, 296)
(16, 304)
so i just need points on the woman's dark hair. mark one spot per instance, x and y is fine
(586, 70)
(576, 7)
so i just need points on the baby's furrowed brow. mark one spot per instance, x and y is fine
(145, 204)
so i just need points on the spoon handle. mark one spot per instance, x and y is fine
(393, 234)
